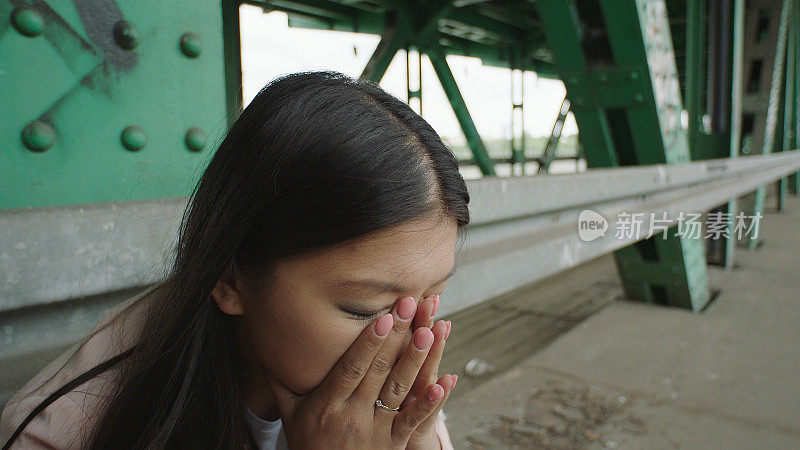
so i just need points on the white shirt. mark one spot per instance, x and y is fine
(268, 434)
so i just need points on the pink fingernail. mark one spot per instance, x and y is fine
(443, 325)
(383, 325)
(447, 333)
(406, 308)
(423, 339)
(455, 381)
(435, 393)
(435, 304)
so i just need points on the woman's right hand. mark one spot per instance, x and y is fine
(342, 413)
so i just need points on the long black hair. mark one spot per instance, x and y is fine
(315, 159)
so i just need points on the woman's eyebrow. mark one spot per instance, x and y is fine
(381, 286)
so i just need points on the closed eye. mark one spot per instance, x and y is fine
(354, 313)
(363, 315)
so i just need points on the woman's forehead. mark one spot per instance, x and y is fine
(407, 241)
(414, 249)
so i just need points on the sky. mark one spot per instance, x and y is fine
(270, 48)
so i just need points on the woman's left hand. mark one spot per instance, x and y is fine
(425, 436)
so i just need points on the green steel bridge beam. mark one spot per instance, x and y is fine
(627, 119)
(695, 61)
(714, 143)
(783, 125)
(442, 69)
(410, 92)
(424, 35)
(658, 138)
(793, 93)
(737, 95)
(549, 154)
(98, 104)
(232, 48)
(393, 38)
(773, 111)
(501, 30)
(517, 82)
(560, 27)
(111, 82)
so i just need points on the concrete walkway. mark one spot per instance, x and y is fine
(634, 375)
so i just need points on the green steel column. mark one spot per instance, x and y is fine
(695, 75)
(517, 78)
(628, 108)
(793, 83)
(564, 32)
(426, 38)
(442, 69)
(706, 93)
(639, 36)
(773, 109)
(736, 117)
(232, 47)
(549, 153)
(393, 38)
(658, 137)
(412, 93)
(784, 126)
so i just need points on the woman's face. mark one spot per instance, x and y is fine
(295, 331)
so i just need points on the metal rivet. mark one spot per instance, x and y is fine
(126, 35)
(191, 44)
(133, 138)
(27, 21)
(195, 139)
(38, 136)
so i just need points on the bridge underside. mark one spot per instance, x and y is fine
(648, 82)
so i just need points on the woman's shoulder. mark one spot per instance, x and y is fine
(65, 422)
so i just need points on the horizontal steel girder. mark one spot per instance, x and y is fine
(58, 255)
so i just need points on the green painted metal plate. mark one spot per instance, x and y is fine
(76, 78)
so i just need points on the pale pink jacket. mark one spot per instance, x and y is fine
(66, 422)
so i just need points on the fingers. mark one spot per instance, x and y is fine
(426, 311)
(349, 371)
(402, 376)
(385, 358)
(430, 368)
(415, 414)
(449, 383)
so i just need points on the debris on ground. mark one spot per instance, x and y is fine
(559, 418)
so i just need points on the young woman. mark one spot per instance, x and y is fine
(299, 308)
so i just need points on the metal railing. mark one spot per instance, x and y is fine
(63, 266)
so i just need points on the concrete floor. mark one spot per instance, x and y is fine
(633, 375)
